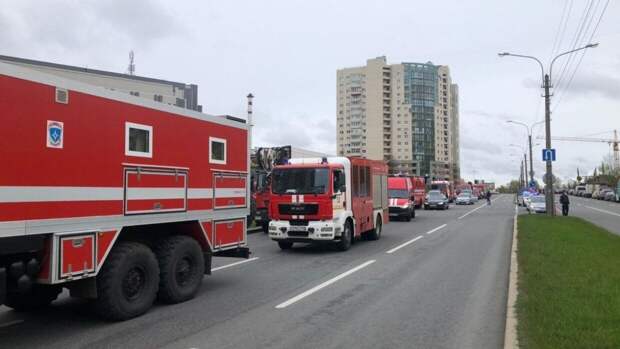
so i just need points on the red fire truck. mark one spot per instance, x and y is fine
(333, 199)
(263, 161)
(119, 199)
(445, 187)
(419, 191)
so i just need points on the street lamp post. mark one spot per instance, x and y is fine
(546, 79)
(525, 162)
(529, 130)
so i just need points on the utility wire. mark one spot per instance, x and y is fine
(580, 43)
(557, 33)
(566, 87)
(576, 39)
(570, 8)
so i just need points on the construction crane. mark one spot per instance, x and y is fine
(613, 142)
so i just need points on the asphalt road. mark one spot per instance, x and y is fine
(602, 213)
(439, 281)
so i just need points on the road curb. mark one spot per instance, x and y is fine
(254, 230)
(510, 334)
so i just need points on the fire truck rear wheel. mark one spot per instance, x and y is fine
(127, 283)
(375, 234)
(39, 296)
(346, 238)
(285, 245)
(181, 268)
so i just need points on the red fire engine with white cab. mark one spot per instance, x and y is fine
(117, 198)
(334, 199)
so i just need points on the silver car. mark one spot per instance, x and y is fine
(465, 199)
(536, 204)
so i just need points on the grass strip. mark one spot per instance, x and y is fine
(569, 284)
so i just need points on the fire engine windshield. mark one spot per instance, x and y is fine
(300, 181)
(398, 194)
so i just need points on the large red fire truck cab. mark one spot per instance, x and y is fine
(334, 199)
(119, 199)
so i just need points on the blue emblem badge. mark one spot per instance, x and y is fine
(54, 134)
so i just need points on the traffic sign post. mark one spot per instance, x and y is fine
(548, 154)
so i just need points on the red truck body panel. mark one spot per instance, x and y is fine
(83, 190)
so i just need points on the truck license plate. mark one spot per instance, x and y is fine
(297, 228)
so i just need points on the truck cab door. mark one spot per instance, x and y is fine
(339, 189)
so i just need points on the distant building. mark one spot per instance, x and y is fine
(169, 92)
(406, 114)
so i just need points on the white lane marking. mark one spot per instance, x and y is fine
(233, 264)
(11, 323)
(405, 244)
(434, 230)
(323, 285)
(477, 208)
(473, 210)
(604, 211)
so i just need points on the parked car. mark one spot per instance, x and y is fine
(580, 190)
(526, 198)
(536, 204)
(465, 198)
(610, 196)
(519, 199)
(436, 199)
(602, 194)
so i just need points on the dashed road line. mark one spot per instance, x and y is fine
(323, 285)
(233, 264)
(477, 208)
(405, 244)
(434, 230)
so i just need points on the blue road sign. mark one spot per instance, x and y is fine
(548, 154)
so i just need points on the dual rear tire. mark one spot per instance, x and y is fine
(134, 276)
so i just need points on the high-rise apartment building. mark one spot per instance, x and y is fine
(404, 113)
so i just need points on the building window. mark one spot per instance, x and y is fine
(138, 140)
(217, 150)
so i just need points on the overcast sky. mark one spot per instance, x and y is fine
(286, 53)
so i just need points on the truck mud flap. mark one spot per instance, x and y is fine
(2, 285)
(208, 262)
(239, 252)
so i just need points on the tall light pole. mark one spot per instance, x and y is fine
(546, 79)
(521, 170)
(530, 129)
(524, 160)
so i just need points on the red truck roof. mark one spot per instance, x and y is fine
(399, 183)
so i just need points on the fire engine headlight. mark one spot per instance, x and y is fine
(326, 229)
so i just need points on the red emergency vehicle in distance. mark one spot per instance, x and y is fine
(401, 197)
(419, 191)
(334, 199)
(120, 199)
(479, 190)
(445, 187)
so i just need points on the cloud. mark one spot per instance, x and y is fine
(318, 134)
(74, 26)
(594, 84)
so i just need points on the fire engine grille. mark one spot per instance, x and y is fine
(298, 233)
(299, 222)
(299, 209)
